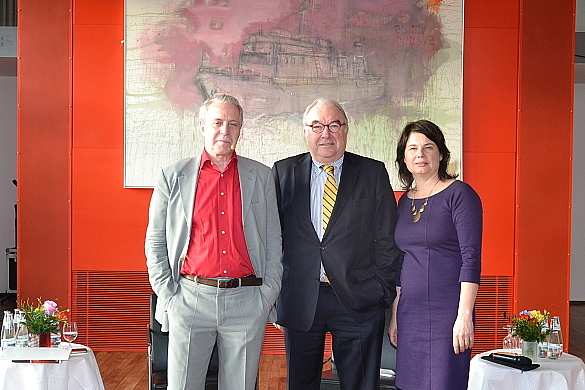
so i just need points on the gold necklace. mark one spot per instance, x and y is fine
(416, 213)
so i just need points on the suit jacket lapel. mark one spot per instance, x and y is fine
(187, 187)
(247, 180)
(302, 192)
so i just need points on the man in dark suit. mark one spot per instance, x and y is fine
(339, 254)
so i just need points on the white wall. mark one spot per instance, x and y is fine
(7, 171)
(578, 217)
(580, 22)
(578, 207)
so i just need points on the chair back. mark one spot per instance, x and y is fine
(160, 346)
(388, 351)
(159, 340)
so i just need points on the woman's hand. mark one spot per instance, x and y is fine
(463, 334)
(393, 331)
(463, 327)
(393, 327)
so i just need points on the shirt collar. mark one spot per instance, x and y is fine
(317, 166)
(205, 158)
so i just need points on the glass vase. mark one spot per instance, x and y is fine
(40, 340)
(530, 349)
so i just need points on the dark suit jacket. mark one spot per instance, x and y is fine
(357, 250)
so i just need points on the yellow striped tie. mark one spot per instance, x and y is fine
(329, 195)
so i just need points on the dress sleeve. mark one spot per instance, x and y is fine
(467, 217)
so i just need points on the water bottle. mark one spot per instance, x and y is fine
(555, 339)
(543, 345)
(21, 331)
(55, 340)
(8, 338)
(17, 319)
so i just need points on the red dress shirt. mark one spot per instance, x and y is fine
(217, 247)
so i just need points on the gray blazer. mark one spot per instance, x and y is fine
(170, 219)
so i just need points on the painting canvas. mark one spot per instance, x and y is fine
(388, 62)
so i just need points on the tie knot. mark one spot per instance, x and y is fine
(328, 168)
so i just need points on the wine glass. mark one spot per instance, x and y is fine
(510, 341)
(69, 332)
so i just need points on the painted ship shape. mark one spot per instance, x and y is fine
(278, 72)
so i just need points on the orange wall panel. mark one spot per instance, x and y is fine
(105, 215)
(98, 87)
(99, 12)
(495, 186)
(44, 130)
(109, 221)
(500, 13)
(490, 90)
(544, 157)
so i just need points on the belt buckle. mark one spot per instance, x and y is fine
(228, 283)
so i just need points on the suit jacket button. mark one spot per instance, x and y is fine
(322, 248)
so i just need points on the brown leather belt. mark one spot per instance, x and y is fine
(250, 280)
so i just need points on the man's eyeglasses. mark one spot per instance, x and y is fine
(334, 127)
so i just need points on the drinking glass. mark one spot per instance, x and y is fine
(510, 342)
(69, 332)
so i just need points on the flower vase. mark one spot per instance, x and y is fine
(40, 340)
(530, 349)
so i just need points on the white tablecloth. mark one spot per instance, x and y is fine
(566, 373)
(80, 372)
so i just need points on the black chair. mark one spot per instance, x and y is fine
(330, 380)
(158, 343)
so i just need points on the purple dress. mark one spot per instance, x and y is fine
(441, 250)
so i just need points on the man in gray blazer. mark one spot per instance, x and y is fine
(213, 248)
(339, 254)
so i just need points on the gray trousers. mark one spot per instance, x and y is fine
(200, 315)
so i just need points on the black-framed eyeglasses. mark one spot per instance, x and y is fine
(334, 127)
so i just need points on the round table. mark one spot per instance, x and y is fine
(566, 373)
(79, 372)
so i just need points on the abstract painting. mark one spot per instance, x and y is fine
(388, 62)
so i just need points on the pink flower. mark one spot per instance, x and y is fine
(49, 307)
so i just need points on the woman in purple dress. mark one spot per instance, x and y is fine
(439, 230)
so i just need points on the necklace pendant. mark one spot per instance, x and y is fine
(415, 216)
(416, 213)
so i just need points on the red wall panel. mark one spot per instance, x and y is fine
(105, 215)
(98, 87)
(490, 71)
(492, 14)
(492, 176)
(99, 12)
(544, 156)
(109, 221)
(44, 135)
(490, 90)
